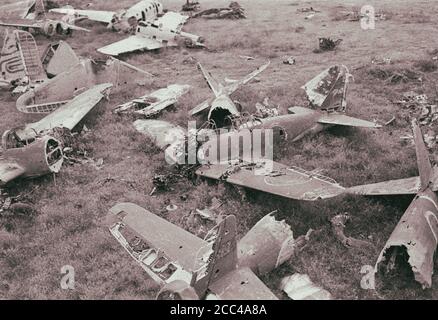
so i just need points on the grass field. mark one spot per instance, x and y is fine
(69, 227)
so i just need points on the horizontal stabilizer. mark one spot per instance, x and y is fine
(95, 15)
(344, 120)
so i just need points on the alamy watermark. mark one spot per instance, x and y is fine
(68, 278)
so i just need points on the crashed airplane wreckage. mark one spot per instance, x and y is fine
(234, 11)
(126, 20)
(56, 78)
(33, 151)
(327, 97)
(31, 15)
(150, 36)
(190, 268)
(221, 107)
(413, 242)
(152, 104)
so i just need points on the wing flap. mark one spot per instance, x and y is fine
(288, 182)
(68, 115)
(178, 244)
(241, 284)
(133, 43)
(344, 120)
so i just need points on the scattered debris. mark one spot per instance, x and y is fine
(289, 60)
(395, 76)
(190, 6)
(210, 212)
(300, 287)
(171, 207)
(234, 11)
(327, 44)
(247, 58)
(338, 225)
(264, 110)
(152, 104)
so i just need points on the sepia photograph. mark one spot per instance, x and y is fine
(246, 150)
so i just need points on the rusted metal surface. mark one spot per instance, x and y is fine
(278, 245)
(155, 102)
(289, 182)
(300, 287)
(41, 157)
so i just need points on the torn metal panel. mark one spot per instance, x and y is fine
(413, 242)
(338, 225)
(153, 103)
(41, 157)
(186, 266)
(289, 182)
(19, 9)
(327, 91)
(278, 245)
(58, 58)
(68, 115)
(300, 287)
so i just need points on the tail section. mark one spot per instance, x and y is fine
(214, 85)
(423, 162)
(11, 63)
(328, 90)
(39, 9)
(219, 256)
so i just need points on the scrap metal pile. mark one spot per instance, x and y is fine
(65, 88)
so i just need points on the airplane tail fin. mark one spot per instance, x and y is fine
(219, 256)
(40, 9)
(328, 90)
(11, 64)
(423, 162)
(214, 85)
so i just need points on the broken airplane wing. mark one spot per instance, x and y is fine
(153, 103)
(133, 43)
(95, 15)
(68, 115)
(288, 182)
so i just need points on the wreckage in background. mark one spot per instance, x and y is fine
(221, 108)
(31, 15)
(153, 36)
(413, 242)
(217, 267)
(33, 150)
(126, 19)
(234, 11)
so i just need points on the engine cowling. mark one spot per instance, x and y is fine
(50, 28)
(177, 290)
